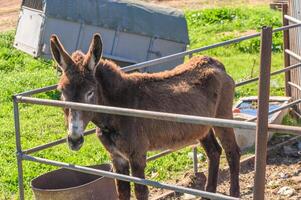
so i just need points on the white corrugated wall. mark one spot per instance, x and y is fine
(295, 46)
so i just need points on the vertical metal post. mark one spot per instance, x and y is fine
(262, 113)
(190, 55)
(286, 45)
(19, 149)
(195, 160)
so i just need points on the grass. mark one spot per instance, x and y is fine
(39, 124)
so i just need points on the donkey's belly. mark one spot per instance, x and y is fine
(177, 137)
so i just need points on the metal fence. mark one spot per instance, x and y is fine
(261, 126)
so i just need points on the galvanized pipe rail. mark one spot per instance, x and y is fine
(279, 109)
(157, 115)
(292, 19)
(129, 178)
(53, 87)
(52, 144)
(292, 54)
(272, 74)
(295, 85)
(151, 158)
(190, 52)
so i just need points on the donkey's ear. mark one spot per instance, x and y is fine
(97, 73)
(59, 54)
(95, 52)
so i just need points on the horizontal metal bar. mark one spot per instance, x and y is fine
(163, 153)
(171, 57)
(89, 132)
(296, 113)
(158, 115)
(52, 87)
(52, 144)
(292, 19)
(140, 113)
(277, 128)
(36, 91)
(295, 85)
(128, 178)
(272, 74)
(142, 65)
(294, 55)
(197, 50)
(168, 151)
(288, 105)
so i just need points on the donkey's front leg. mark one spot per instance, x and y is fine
(138, 164)
(121, 166)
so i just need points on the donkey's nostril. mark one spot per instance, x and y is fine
(75, 143)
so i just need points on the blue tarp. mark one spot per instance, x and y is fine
(246, 107)
(124, 15)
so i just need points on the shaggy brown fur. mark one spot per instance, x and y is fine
(199, 87)
(192, 88)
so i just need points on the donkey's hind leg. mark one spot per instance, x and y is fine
(138, 164)
(227, 139)
(121, 166)
(213, 151)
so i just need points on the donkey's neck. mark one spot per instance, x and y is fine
(112, 82)
(111, 78)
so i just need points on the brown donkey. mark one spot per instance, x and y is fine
(199, 87)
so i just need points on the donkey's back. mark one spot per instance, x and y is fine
(194, 88)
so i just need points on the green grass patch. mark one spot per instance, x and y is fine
(40, 124)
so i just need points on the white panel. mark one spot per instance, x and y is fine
(87, 34)
(133, 47)
(28, 31)
(67, 32)
(164, 48)
(295, 46)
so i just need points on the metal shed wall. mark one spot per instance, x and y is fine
(295, 46)
(132, 31)
(126, 15)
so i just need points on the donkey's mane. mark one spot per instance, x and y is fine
(198, 62)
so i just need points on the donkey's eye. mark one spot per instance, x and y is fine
(90, 94)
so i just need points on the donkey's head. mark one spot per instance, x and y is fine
(77, 84)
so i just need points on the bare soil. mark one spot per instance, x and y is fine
(9, 11)
(283, 169)
(198, 4)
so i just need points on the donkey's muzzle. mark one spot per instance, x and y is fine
(75, 143)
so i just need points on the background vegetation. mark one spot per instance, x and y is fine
(20, 72)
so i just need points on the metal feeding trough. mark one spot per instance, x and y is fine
(246, 109)
(132, 31)
(63, 184)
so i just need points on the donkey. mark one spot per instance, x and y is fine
(199, 87)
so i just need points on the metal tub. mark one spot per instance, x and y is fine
(246, 138)
(65, 184)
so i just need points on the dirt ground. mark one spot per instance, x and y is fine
(283, 177)
(283, 170)
(9, 9)
(197, 4)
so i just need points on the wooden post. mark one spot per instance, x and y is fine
(262, 113)
(286, 45)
